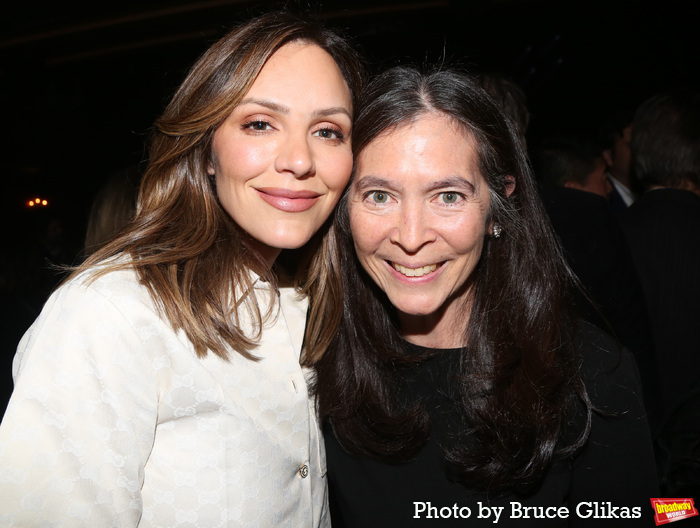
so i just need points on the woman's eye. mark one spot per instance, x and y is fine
(258, 126)
(378, 197)
(450, 197)
(329, 133)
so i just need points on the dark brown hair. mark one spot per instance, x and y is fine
(518, 379)
(191, 255)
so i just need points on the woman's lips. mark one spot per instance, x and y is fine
(287, 200)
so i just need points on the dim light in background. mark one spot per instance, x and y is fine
(38, 202)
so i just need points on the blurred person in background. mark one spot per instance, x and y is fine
(662, 229)
(615, 136)
(573, 164)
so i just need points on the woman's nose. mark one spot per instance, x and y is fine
(296, 156)
(413, 229)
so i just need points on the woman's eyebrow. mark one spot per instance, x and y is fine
(282, 109)
(367, 182)
(276, 107)
(332, 111)
(451, 181)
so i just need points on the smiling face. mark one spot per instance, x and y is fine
(283, 156)
(418, 213)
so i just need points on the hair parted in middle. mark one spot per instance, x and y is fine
(186, 249)
(518, 380)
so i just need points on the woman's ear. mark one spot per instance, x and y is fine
(510, 185)
(211, 170)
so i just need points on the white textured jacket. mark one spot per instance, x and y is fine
(114, 421)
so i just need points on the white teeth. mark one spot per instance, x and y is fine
(417, 272)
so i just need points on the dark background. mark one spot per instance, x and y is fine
(81, 85)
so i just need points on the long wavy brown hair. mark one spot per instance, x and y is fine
(194, 259)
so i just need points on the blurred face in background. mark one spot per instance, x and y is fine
(597, 182)
(619, 157)
(283, 156)
(418, 213)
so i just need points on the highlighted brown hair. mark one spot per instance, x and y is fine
(187, 251)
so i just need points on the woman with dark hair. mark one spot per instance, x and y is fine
(162, 384)
(460, 383)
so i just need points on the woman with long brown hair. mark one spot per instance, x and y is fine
(461, 389)
(162, 384)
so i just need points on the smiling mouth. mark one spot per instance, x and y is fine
(287, 200)
(279, 192)
(414, 272)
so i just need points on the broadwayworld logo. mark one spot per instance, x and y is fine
(671, 510)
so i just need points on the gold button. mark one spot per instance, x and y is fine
(304, 471)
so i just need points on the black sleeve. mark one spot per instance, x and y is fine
(616, 468)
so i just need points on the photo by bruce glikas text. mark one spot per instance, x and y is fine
(583, 510)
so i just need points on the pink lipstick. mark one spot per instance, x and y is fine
(287, 200)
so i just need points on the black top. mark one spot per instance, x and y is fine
(611, 477)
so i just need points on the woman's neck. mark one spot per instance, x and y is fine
(437, 330)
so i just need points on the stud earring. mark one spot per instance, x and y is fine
(497, 230)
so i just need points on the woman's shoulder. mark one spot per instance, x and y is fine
(607, 368)
(94, 313)
(109, 293)
(596, 347)
(114, 279)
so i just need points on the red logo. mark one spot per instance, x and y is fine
(672, 510)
